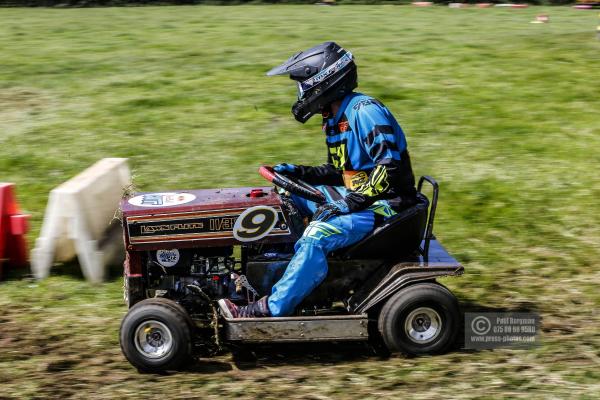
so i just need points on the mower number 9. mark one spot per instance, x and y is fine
(254, 223)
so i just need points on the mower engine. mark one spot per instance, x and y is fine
(173, 273)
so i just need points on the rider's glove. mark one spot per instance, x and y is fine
(329, 210)
(285, 168)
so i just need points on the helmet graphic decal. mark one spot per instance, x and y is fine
(340, 64)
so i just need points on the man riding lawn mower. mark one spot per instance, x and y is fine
(366, 179)
(339, 252)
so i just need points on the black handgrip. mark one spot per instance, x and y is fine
(292, 185)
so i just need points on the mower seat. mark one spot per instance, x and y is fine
(398, 236)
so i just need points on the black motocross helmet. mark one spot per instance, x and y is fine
(324, 73)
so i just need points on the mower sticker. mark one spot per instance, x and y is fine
(254, 223)
(203, 225)
(158, 228)
(161, 199)
(167, 258)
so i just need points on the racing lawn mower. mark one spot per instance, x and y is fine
(186, 250)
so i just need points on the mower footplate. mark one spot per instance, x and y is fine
(297, 329)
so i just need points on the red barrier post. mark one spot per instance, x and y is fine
(13, 227)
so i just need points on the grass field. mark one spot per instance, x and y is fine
(504, 113)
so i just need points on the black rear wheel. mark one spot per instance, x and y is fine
(420, 319)
(156, 336)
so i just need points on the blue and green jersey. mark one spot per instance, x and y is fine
(365, 141)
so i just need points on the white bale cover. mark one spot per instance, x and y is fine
(79, 220)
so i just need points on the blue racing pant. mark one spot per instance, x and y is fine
(308, 268)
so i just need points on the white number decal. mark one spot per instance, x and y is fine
(254, 223)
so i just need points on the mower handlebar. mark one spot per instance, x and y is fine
(292, 184)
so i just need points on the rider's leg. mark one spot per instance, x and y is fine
(308, 267)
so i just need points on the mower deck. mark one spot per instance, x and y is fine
(297, 329)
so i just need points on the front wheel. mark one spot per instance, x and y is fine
(156, 336)
(420, 319)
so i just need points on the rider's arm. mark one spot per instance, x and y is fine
(375, 126)
(325, 174)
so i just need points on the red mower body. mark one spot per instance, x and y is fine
(197, 218)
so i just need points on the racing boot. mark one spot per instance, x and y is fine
(257, 309)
